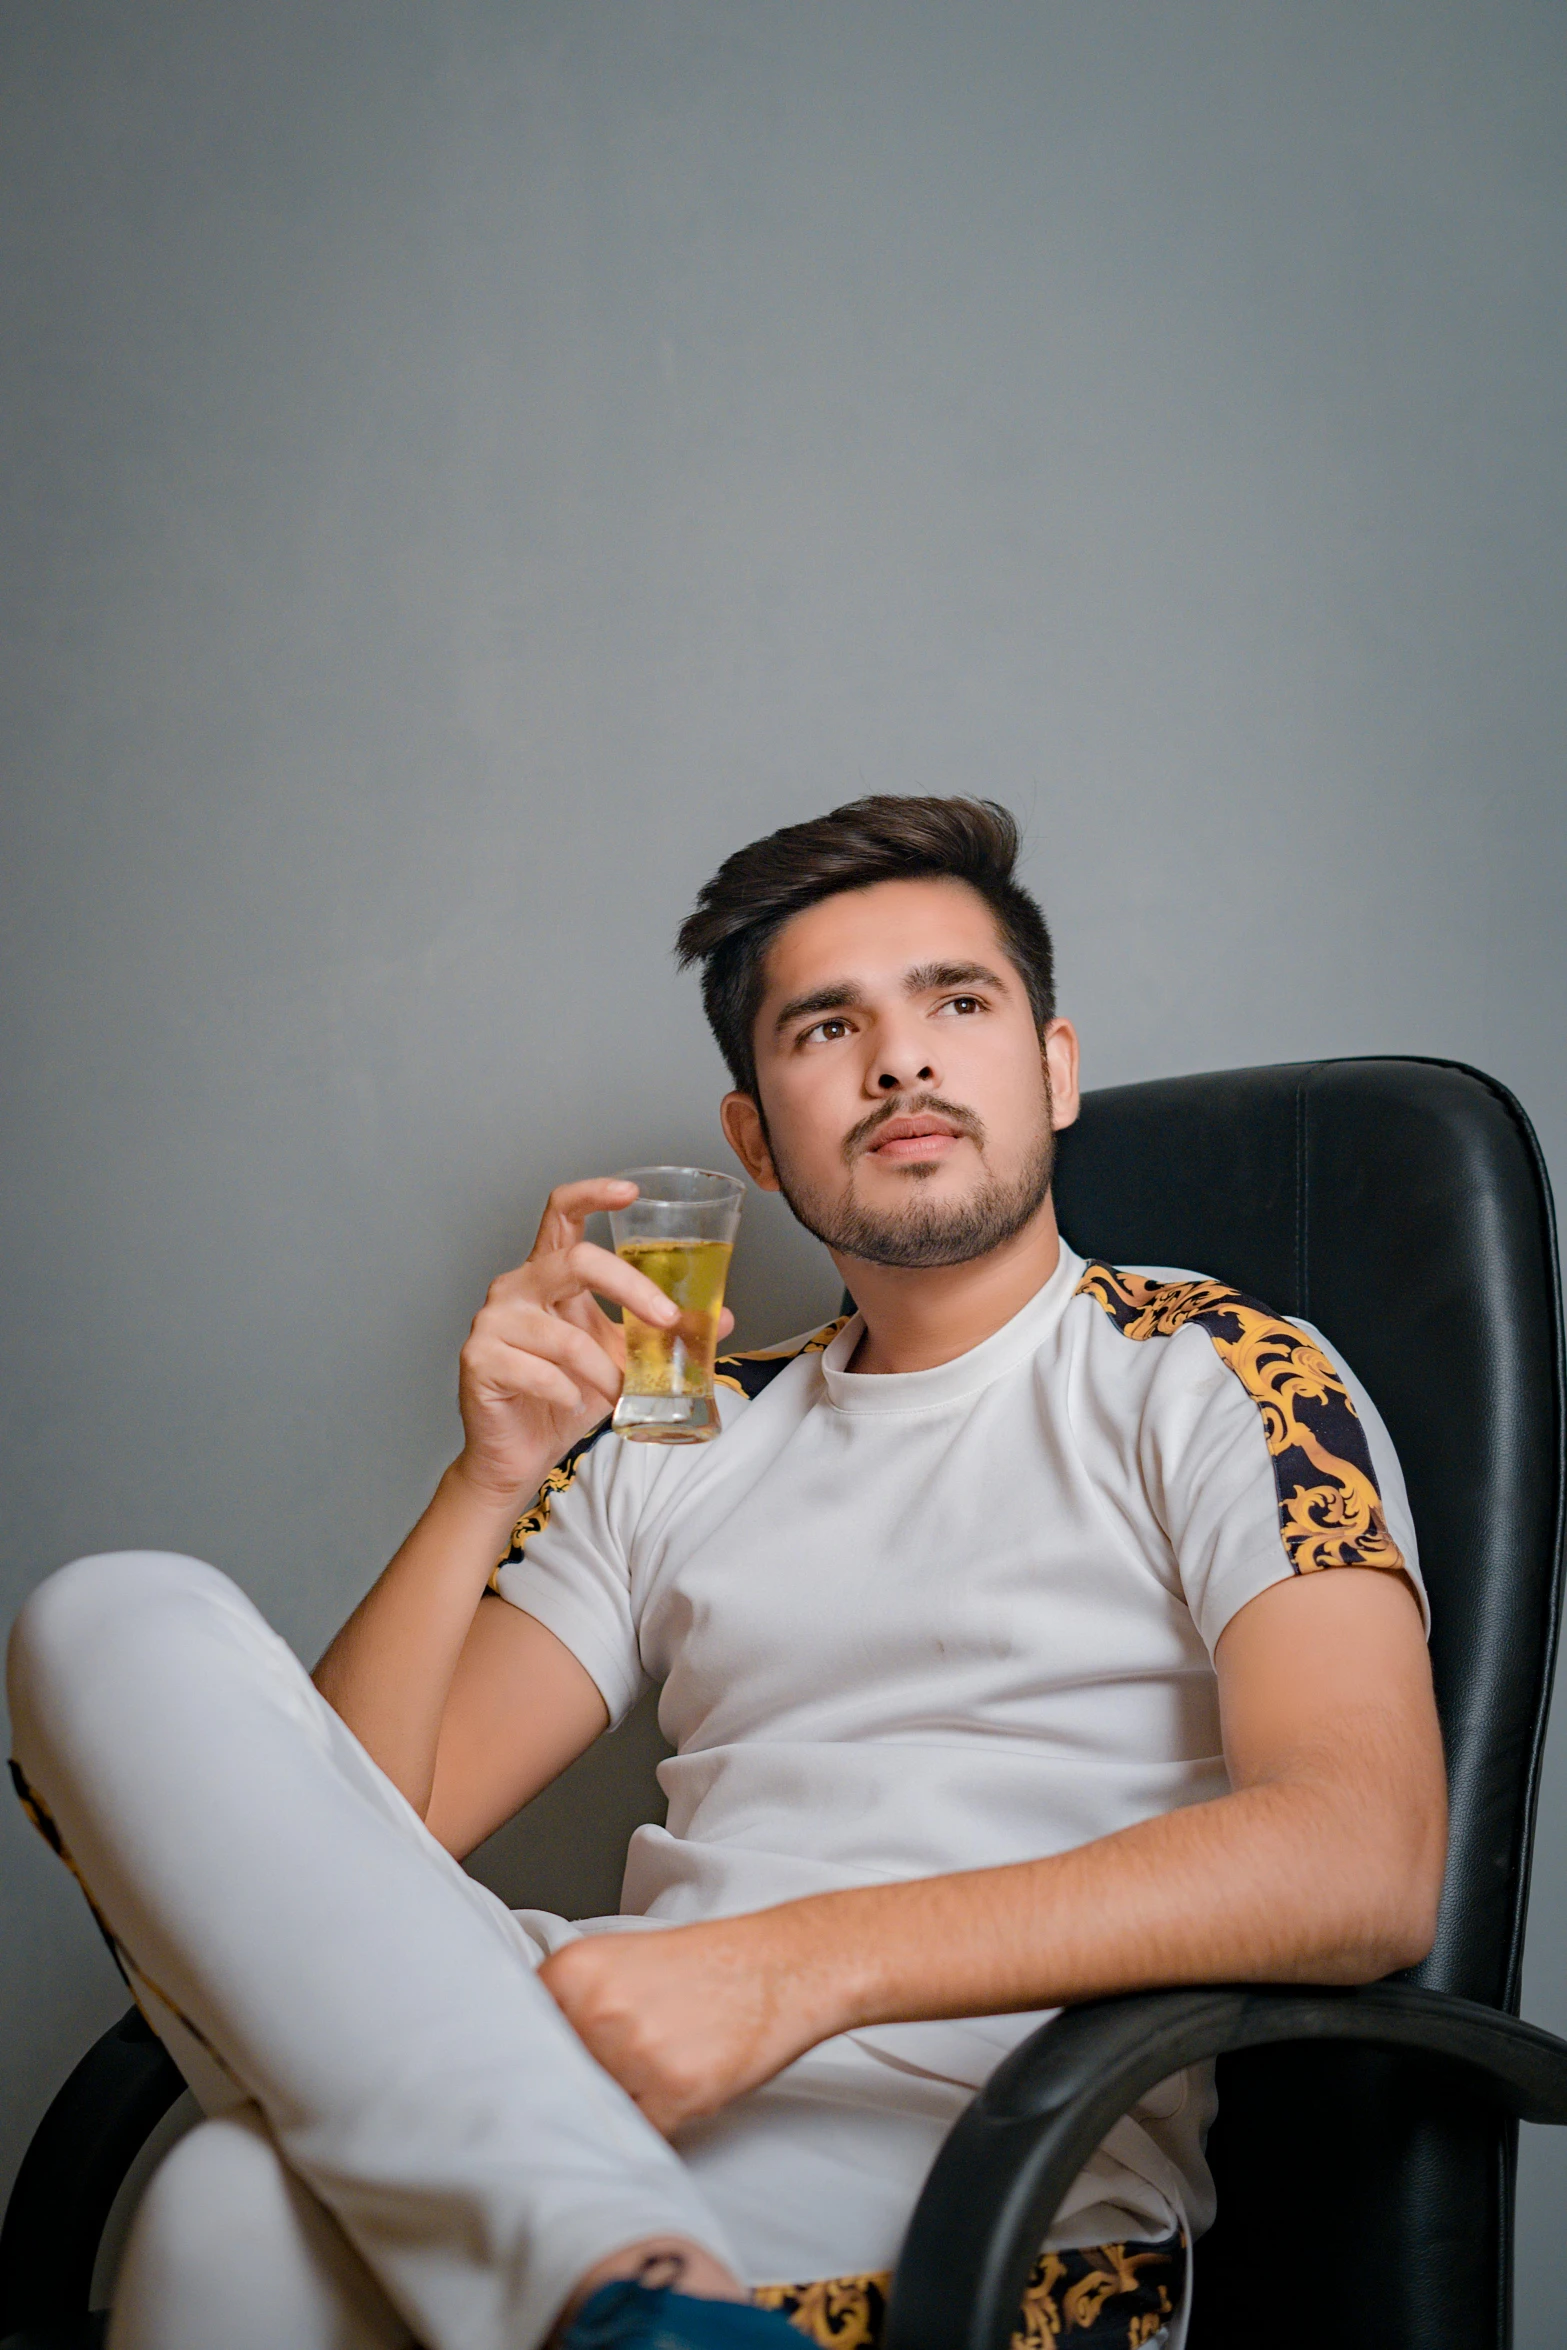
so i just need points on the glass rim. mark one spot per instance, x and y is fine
(729, 1183)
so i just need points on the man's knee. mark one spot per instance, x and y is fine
(88, 1616)
(228, 2246)
(214, 2221)
(221, 2174)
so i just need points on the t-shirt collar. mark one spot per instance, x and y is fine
(966, 1374)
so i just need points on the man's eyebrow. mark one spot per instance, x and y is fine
(840, 995)
(929, 978)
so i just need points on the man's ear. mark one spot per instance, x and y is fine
(1061, 1063)
(741, 1121)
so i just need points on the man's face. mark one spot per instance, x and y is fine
(906, 1101)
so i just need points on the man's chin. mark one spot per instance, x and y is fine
(911, 1221)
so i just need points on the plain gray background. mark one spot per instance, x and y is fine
(469, 465)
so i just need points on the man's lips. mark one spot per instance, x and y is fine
(928, 1133)
(903, 1139)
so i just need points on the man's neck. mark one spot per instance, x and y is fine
(917, 1319)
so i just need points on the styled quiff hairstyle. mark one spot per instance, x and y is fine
(885, 837)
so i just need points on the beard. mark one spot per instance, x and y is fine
(922, 1234)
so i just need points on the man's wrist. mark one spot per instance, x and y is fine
(826, 1963)
(465, 1491)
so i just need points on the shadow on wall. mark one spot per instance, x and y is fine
(542, 1859)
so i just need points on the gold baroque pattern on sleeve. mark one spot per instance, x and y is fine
(1330, 1506)
(1100, 2297)
(536, 1516)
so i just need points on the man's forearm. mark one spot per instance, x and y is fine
(390, 1668)
(1275, 1883)
(1297, 1878)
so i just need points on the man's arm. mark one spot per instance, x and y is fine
(471, 1707)
(1324, 1865)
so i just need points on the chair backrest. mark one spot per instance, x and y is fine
(1402, 1206)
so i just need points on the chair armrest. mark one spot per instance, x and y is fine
(72, 2171)
(1006, 2165)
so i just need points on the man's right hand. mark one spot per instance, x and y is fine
(543, 1362)
(438, 1684)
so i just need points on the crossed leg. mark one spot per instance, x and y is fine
(308, 1951)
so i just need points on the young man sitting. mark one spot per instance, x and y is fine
(1043, 1630)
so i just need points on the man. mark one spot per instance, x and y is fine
(1045, 1630)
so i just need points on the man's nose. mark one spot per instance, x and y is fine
(899, 1063)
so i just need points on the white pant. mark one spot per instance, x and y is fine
(362, 2015)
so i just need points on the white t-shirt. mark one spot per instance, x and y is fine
(943, 1620)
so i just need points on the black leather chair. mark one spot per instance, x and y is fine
(1366, 2140)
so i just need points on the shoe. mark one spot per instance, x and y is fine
(624, 2315)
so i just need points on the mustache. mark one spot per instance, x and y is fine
(861, 1137)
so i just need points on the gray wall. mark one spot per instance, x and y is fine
(466, 466)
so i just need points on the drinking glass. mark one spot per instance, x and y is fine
(680, 1231)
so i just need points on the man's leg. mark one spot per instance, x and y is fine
(229, 2247)
(306, 1946)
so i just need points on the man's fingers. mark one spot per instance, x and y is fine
(514, 1353)
(563, 1282)
(543, 1382)
(680, 2043)
(569, 1206)
(595, 1268)
(572, 1351)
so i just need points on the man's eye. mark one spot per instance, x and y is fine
(963, 1003)
(830, 1029)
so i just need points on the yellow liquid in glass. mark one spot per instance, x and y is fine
(679, 1360)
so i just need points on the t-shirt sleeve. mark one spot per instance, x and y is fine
(1266, 1460)
(569, 1564)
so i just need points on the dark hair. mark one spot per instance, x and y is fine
(885, 837)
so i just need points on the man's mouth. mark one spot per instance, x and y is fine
(905, 1141)
(922, 1136)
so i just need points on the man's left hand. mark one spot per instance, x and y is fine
(689, 2017)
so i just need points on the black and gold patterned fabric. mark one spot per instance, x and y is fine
(42, 1819)
(536, 1516)
(135, 1977)
(1107, 2297)
(749, 1374)
(1330, 1505)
